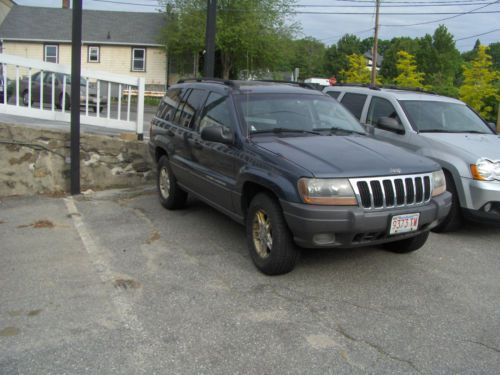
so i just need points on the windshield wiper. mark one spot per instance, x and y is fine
(284, 130)
(336, 130)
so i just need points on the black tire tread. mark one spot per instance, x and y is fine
(177, 197)
(282, 258)
(407, 245)
(453, 221)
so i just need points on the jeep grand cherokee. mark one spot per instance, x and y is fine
(295, 167)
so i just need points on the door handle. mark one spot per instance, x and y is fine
(198, 146)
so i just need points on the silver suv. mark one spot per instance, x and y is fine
(443, 129)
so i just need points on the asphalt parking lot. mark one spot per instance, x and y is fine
(112, 283)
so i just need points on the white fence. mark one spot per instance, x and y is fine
(42, 90)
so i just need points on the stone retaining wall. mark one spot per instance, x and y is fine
(36, 161)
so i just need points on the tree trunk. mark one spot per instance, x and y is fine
(226, 65)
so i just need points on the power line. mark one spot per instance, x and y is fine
(353, 33)
(126, 3)
(474, 36)
(412, 2)
(456, 14)
(420, 5)
(472, 11)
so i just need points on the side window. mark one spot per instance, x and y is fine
(380, 107)
(169, 104)
(51, 53)
(216, 112)
(183, 95)
(193, 103)
(333, 94)
(138, 59)
(354, 103)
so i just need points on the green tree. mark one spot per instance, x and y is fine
(247, 30)
(388, 69)
(471, 55)
(478, 89)
(438, 58)
(309, 57)
(336, 57)
(494, 50)
(408, 74)
(357, 71)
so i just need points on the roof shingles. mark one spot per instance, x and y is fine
(105, 27)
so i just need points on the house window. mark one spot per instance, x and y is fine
(94, 54)
(138, 59)
(51, 53)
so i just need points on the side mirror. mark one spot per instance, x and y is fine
(493, 126)
(390, 124)
(216, 133)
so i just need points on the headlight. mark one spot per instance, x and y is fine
(486, 170)
(438, 183)
(333, 192)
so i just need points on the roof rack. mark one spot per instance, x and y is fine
(416, 89)
(300, 84)
(367, 85)
(226, 82)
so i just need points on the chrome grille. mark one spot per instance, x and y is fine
(392, 191)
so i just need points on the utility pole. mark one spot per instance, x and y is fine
(498, 119)
(76, 55)
(209, 60)
(375, 46)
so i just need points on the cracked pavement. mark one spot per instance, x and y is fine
(112, 283)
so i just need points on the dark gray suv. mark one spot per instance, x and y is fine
(295, 167)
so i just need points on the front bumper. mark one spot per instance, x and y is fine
(482, 200)
(354, 226)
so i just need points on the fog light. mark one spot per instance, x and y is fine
(324, 238)
(487, 207)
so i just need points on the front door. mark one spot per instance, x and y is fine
(214, 162)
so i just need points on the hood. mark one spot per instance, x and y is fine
(345, 156)
(475, 145)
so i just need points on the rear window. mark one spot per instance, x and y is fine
(354, 103)
(333, 94)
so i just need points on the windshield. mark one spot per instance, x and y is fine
(300, 113)
(443, 117)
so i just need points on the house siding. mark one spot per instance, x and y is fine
(113, 59)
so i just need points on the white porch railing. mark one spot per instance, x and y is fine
(38, 89)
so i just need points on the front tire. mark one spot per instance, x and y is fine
(452, 221)
(408, 245)
(171, 196)
(269, 240)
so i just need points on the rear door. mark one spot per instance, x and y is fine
(182, 133)
(354, 102)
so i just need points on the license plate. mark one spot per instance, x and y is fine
(404, 223)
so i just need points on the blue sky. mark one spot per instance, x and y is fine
(329, 27)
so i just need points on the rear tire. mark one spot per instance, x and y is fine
(408, 245)
(269, 240)
(453, 221)
(171, 196)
